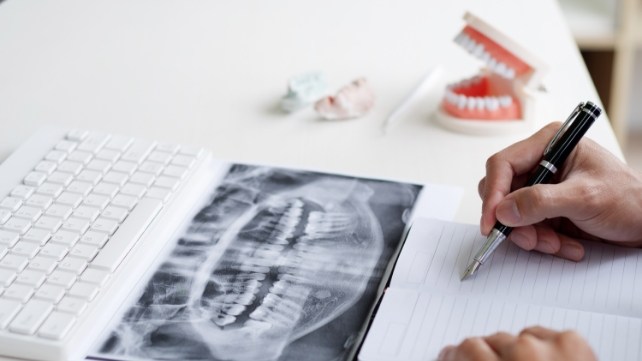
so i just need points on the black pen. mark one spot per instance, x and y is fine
(555, 154)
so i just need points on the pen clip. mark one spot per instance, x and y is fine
(564, 127)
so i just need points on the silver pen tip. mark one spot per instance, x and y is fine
(471, 269)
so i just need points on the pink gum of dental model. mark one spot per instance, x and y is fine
(351, 101)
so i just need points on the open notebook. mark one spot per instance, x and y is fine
(427, 306)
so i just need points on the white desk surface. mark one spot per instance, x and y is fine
(211, 73)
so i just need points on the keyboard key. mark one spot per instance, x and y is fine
(31, 278)
(116, 213)
(14, 262)
(11, 203)
(56, 326)
(94, 142)
(70, 199)
(84, 290)
(77, 225)
(119, 143)
(183, 160)
(86, 212)
(40, 201)
(159, 193)
(66, 146)
(49, 224)
(59, 211)
(77, 135)
(82, 188)
(96, 200)
(22, 192)
(97, 239)
(145, 179)
(124, 201)
(159, 157)
(46, 166)
(62, 278)
(84, 251)
(27, 249)
(168, 148)
(50, 189)
(125, 167)
(44, 264)
(108, 155)
(18, 292)
(175, 171)
(95, 276)
(51, 293)
(8, 310)
(97, 165)
(8, 238)
(70, 167)
(65, 238)
(60, 178)
(106, 189)
(80, 156)
(104, 225)
(151, 167)
(135, 190)
(19, 225)
(71, 305)
(35, 179)
(128, 234)
(29, 213)
(116, 178)
(90, 176)
(56, 156)
(55, 251)
(7, 277)
(73, 264)
(138, 151)
(30, 317)
(37, 236)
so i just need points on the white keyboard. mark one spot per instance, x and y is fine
(82, 217)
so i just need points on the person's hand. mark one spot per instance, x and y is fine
(593, 196)
(532, 344)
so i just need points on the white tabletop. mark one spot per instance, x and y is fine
(211, 73)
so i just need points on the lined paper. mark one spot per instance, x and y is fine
(436, 253)
(413, 325)
(428, 307)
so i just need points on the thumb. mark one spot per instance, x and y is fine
(531, 205)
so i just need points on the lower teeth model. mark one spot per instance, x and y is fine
(502, 97)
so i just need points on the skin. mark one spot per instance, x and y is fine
(594, 196)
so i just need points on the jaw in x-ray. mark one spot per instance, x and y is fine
(276, 255)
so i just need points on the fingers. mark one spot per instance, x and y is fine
(471, 349)
(545, 239)
(540, 332)
(503, 167)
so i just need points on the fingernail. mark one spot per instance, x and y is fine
(443, 355)
(572, 251)
(508, 213)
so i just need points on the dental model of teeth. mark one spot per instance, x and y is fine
(503, 97)
(351, 101)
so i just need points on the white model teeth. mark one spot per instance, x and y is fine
(491, 103)
(479, 51)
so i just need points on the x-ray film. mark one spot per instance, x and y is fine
(279, 264)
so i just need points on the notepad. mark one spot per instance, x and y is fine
(427, 306)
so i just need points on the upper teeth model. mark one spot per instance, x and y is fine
(502, 97)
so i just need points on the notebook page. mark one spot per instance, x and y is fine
(435, 254)
(412, 325)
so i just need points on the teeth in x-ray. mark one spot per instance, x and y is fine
(295, 259)
(224, 320)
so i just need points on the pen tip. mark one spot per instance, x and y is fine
(470, 270)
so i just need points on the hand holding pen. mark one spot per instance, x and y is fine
(594, 195)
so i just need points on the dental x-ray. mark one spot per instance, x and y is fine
(279, 264)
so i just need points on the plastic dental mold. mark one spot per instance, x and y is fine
(351, 101)
(304, 90)
(503, 97)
